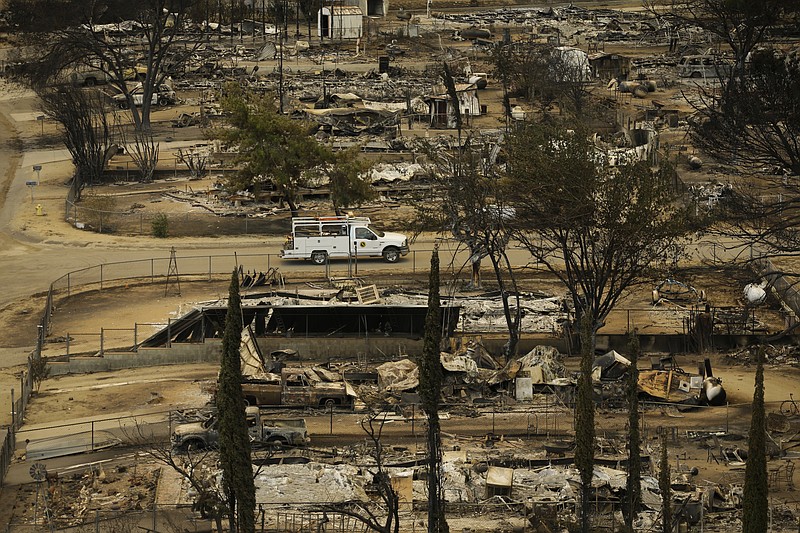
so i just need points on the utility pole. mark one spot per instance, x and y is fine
(241, 21)
(263, 22)
(280, 71)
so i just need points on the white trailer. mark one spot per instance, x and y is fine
(323, 238)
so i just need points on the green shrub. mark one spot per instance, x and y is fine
(160, 226)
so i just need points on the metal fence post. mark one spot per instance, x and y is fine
(135, 337)
(209, 268)
(152, 271)
(68, 344)
(102, 332)
(101, 276)
(68, 284)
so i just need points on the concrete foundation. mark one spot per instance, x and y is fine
(178, 354)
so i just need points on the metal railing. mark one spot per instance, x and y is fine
(100, 277)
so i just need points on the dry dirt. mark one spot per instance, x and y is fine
(108, 394)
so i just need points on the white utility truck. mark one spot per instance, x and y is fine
(321, 238)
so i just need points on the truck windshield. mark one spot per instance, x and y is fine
(376, 231)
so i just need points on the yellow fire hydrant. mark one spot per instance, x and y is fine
(39, 210)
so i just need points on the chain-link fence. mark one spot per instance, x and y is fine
(188, 224)
(210, 266)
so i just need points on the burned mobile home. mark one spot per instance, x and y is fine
(362, 319)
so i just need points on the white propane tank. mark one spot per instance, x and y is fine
(754, 294)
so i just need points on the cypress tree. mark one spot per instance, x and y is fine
(584, 422)
(665, 485)
(754, 504)
(633, 487)
(430, 387)
(234, 441)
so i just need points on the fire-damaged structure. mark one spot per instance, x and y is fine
(665, 381)
(295, 320)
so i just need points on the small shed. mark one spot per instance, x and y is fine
(608, 66)
(441, 110)
(340, 22)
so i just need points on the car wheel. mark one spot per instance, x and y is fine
(122, 105)
(696, 74)
(163, 101)
(391, 255)
(90, 82)
(319, 258)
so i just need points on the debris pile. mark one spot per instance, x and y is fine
(74, 499)
(788, 354)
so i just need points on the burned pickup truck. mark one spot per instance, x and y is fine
(262, 431)
(304, 387)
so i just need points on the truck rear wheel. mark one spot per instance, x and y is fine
(319, 258)
(193, 445)
(391, 255)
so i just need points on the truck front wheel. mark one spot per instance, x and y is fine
(319, 258)
(391, 255)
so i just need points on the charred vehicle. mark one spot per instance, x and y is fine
(303, 387)
(281, 431)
